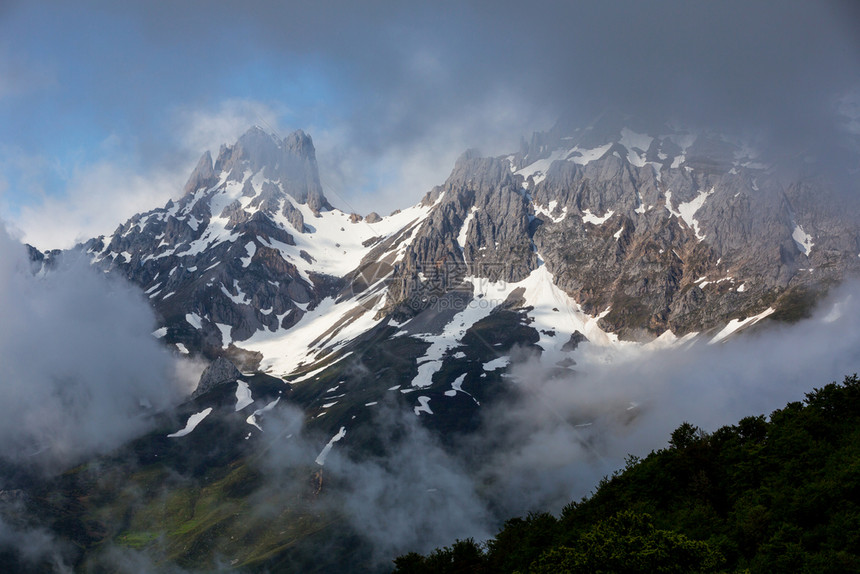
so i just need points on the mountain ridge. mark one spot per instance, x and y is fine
(640, 240)
(679, 232)
(338, 342)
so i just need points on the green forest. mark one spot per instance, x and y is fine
(768, 494)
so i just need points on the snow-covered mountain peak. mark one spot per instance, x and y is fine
(252, 246)
(258, 155)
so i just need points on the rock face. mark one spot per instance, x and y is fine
(291, 161)
(219, 372)
(203, 175)
(479, 226)
(615, 229)
(42, 261)
(653, 232)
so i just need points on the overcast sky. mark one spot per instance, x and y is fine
(105, 106)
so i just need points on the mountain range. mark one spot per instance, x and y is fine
(610, 237)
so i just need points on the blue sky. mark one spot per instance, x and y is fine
(105, 107)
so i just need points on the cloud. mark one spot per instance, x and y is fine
(393, 92)
(202, 129)
(124, 560)
(412, 494)
(407, 89)
(561, 434)
(555, 436)
(550, 441)
(416, 497)
(363, 176)
(98, 198)
(33, 548)
(398, 72)
(100, 195)
(81, 370)
(540, 447)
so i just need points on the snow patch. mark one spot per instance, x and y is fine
(464, 230)
(589, 217)
(735, 324)
(243, 395)
(240, 299)
(686, 211)
(537, 170)
(192, 423)
(252, 418)
(549, 210)
(320, 460)
(802, 239)
(584, 156)
(631, 139)
(499, 363)
(194, 320)
(225, 334)
(251, 248)
(457, 387)
(423, 406)
(637, 145)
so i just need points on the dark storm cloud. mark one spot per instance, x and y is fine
(398, 70)
(393, 92)
(411, 86)
(403, 68)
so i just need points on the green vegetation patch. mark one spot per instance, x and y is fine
(769, 494)
(137, 540)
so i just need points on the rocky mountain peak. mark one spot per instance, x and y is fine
(291, 162)
(203, 175)
(301, 145)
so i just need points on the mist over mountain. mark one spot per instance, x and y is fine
(380, 384)
(511, 245)
(78, 360)
(107, 108)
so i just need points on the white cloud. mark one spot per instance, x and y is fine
(397, 173)
(98, 198)
(206, 129)
(78, 361)
(563, 432)
(101, 195)
(356, 177)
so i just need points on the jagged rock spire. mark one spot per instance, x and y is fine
(291, 161)
(203, 175)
